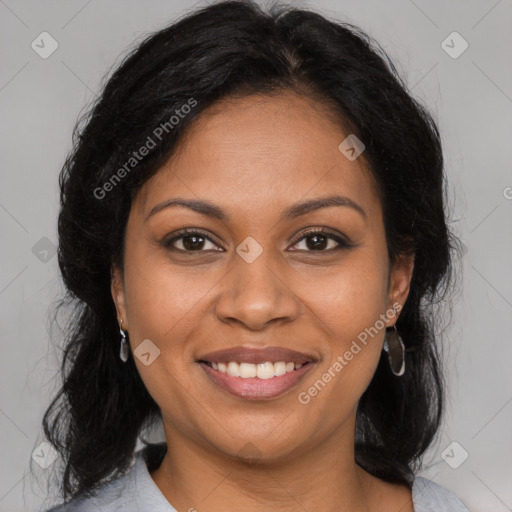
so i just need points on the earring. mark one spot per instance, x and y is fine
(395, 348)
(123, 352)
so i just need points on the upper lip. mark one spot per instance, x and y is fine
(242, 354)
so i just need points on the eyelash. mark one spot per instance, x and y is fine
(342, 244)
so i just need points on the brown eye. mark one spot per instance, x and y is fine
(319, 241)
(190, 241)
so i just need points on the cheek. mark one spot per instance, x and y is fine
(351, 296)
(163, 301)
(164, 307)
(353, 305)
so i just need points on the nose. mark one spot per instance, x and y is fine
(255, 294)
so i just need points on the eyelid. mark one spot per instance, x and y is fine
(340, 239)
(188, 231)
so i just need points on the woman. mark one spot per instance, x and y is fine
(253, 231)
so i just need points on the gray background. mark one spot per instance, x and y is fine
(471, 98)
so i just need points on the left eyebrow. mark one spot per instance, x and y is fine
(296, 210)
(202, 207)
(311, 205)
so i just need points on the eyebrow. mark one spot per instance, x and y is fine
(296, 210)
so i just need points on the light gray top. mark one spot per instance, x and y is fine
(135, 491)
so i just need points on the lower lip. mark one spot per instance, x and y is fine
(254, 388)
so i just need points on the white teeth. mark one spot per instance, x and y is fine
(279, 368)
(233, 369)
(247, 370)
(265, 370)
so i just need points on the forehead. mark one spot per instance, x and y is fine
(260, 151)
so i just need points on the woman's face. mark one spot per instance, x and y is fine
(252, 280)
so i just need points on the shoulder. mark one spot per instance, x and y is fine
(116, 496)
(133, 491)
(428, 496)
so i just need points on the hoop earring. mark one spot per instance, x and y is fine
(395, 348)
(123, 352)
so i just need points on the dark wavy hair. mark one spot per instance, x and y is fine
(228, 49)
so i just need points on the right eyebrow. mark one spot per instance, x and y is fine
(296, 210)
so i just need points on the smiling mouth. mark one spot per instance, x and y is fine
(263, 371)
(256, 381)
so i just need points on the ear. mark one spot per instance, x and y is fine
(400, 281)
(118, 294)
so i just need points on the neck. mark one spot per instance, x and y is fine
(321, 477)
